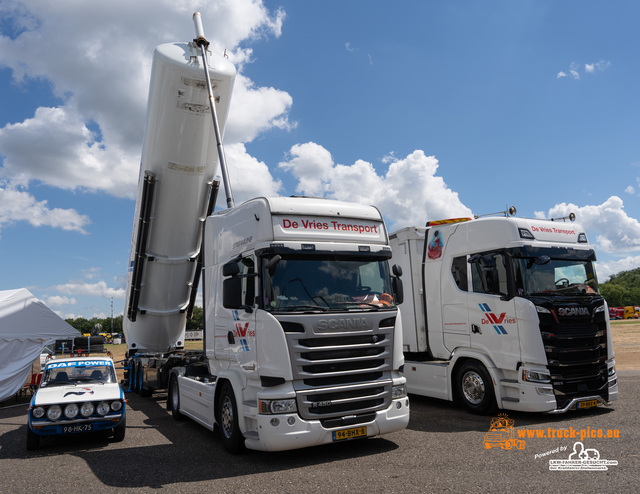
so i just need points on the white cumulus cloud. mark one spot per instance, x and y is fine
(17, 205)
(99, 289)
(613, 229)
(96, 58)
(58, 301)
(408, 192)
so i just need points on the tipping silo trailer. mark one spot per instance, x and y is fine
(302, 337)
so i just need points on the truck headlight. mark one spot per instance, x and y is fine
(270, 407)
(71, 410)
(536, 377)
(399, 391)
(54, 412)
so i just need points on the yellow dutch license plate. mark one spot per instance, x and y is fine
(587, 404)
(349, 433)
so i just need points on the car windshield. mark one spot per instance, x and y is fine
(535, 276)
(320, 284)
(68, 373)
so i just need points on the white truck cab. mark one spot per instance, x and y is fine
(504, 312)
(303, 341)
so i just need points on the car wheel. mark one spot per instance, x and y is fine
(33, 440)
(228, 419)
(173, 398)
(474, 388)
(120, 430)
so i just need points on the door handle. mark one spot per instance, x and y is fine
(230, 339)
(476, 329)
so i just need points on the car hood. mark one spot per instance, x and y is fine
(70, 394)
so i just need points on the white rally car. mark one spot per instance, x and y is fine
(77, 395)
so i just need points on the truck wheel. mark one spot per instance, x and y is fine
(33, 440)
(474, 388)
(173, 398)
(120, 430)
(228, 418)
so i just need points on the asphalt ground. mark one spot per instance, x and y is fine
(441, 451)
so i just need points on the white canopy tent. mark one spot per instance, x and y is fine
(26, 326)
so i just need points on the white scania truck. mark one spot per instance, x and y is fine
(302, 337)
(504, 312)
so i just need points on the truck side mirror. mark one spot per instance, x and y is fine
(232, 293)
(230, 269)
(397, 270)
(398, 289)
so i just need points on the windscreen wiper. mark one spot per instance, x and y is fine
(308, 307)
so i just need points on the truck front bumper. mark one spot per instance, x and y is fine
(541, 398)
(288, 431)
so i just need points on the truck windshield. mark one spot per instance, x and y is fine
(535, 276)
(309, 283)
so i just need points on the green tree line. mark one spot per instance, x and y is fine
(97, 325)
(622, 289)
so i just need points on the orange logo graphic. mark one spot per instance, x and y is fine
(502, 434)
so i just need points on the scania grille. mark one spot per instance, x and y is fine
(344, 372)
(329, 402)
(576, 349)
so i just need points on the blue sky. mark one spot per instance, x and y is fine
(425, 109)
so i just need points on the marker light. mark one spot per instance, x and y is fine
(524, 233)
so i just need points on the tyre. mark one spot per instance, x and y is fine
(228, 420)
(120, 430)
(33, 440)
(173, 398)
(474, 388)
